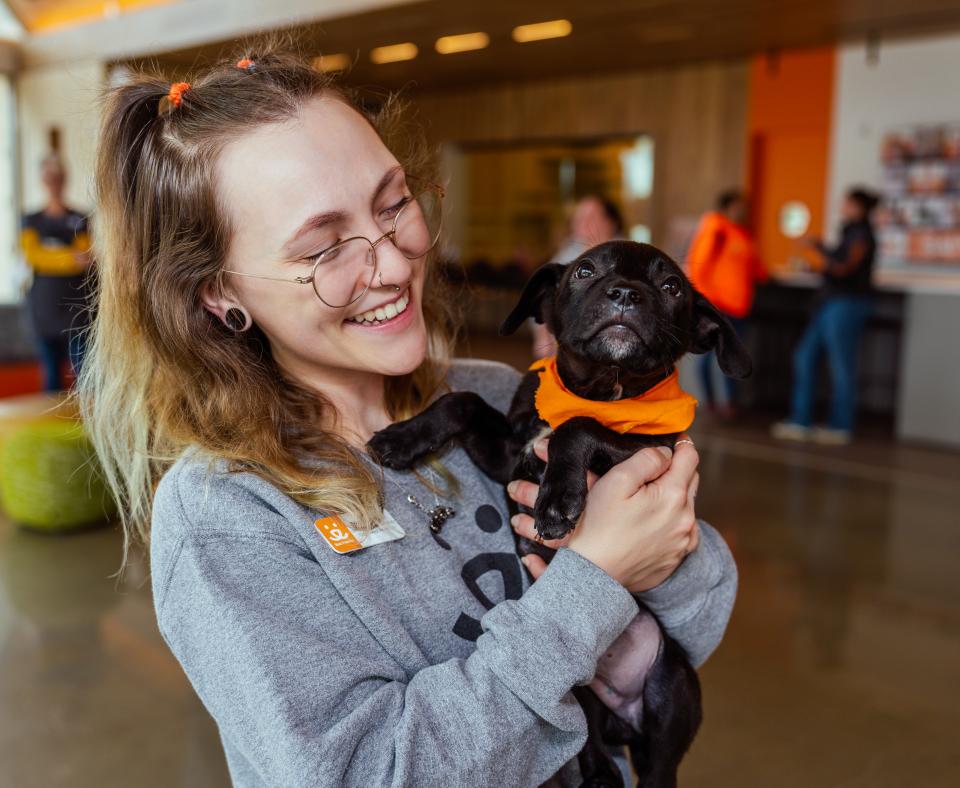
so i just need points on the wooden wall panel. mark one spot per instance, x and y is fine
(696, 114)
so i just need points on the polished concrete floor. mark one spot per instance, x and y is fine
(841, 666)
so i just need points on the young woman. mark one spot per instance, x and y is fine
(266, 305)
(844, 306)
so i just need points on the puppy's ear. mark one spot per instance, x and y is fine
(712, 331)
(536, 301)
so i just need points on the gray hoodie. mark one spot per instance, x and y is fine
(429, 660)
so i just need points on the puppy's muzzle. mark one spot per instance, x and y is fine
(623, 296)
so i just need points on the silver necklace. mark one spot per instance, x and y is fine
(438, 514)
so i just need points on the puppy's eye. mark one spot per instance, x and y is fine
(672, 286)
(585, 270)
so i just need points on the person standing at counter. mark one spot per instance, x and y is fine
(844, 305)
(723, 264)
(56, 246)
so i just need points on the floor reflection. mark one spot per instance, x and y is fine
(89, 693)
(839, 668)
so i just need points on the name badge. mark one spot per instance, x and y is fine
(341, 539)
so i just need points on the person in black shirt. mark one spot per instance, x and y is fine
(56, 246)
(843, 308)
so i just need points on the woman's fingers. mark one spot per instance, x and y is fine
(536, 566)
(683, 467)
(694, 542)
(523, 492)
(643, 467)
(523, 526)
(692, 490)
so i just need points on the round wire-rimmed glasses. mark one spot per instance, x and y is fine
(343, 273)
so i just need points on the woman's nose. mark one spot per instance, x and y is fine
(393, 269)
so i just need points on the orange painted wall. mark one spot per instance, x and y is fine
(790, 108)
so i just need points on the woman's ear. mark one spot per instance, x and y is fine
(536, 301)
(712, 331)
(216, 299)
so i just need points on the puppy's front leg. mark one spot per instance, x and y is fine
(484, 431)
(576, 446)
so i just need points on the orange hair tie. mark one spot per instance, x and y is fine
(177, 89)
(245, 64)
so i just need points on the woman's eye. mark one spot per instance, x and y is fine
(585, 270)
(672, 286)
(326, 254)
(393, 210)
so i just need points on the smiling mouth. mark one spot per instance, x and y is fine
(383, 314)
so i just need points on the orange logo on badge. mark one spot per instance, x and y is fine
(338, 536)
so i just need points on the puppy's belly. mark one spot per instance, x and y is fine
(622, 671)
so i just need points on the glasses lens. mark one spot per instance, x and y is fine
(344, 273)
(418, 224)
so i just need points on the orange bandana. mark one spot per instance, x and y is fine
(664, 409)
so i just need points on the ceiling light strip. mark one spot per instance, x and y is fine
(465, 42)
(394, 53)
(540, 31)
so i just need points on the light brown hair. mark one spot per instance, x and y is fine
(163, 374)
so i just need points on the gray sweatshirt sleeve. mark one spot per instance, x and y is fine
(694, 604)
(306, 692)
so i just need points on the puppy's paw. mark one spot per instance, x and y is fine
(557, 511)
(395, 447)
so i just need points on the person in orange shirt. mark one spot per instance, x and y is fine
(723, 264)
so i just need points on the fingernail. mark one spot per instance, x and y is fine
(512, 487)
(540, 444)
(515, 521)
(666, 451)
(525, 561)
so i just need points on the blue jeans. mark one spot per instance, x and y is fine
(836, 328)
(705, 368)
(54, 351)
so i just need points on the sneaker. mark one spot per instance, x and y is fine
(790, 431)
(827, 436)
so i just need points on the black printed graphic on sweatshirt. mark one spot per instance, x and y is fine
(508, 565)
(440, 540)
(488, 519)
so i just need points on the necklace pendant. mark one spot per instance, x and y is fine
(438, 516)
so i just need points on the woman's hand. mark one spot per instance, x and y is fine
(639, 522)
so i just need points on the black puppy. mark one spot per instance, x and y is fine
(623, 314)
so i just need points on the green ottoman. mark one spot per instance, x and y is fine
(49, 477)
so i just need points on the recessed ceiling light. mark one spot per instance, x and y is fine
(393, 53)
(465, 42)
(556, 28)
(336, 62)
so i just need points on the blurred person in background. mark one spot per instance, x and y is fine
(56, 247)
(843, 307)
(595, 220)
(724, 266)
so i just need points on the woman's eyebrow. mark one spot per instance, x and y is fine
(316, 222)
(385, 181)
(321, 220)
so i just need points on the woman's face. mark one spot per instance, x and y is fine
(293, 189)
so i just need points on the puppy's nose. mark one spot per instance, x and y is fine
(623, 296)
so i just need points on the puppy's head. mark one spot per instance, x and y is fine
(627, 305)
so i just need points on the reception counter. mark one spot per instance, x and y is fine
(910, 358)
